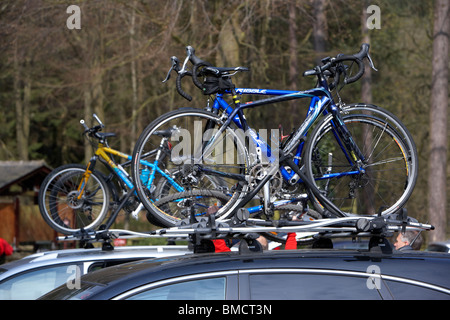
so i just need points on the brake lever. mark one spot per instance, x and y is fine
(371, 62)
(175, 66)
(98, 120)
(188, 56)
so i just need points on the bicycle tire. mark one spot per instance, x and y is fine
(188, 200)
(375, 191)
(164, 190)
(61, 211)
(190, 122)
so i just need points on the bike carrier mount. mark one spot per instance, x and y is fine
(201, 230)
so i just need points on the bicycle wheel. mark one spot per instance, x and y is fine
(166, 191)
(60, 204)
(390, 166)
(198, 201)
(202, 159)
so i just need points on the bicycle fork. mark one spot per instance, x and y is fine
(86, 176)
(345, 140)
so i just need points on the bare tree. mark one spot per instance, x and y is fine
(320, 28)
(366, 95)
(437, 197)
(293, 57)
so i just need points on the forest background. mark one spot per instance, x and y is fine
(52, 73)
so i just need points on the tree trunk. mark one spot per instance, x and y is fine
(229, 38)
(366, 81)
(134, 84)
(437, 196)
(88, 116)
(366, 96)
(22, 97)
(320, 29)
(293, 60)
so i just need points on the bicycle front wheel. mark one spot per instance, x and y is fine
(69, 202)
(200, 157)
(389, 171)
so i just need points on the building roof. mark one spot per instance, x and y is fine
(24, 173)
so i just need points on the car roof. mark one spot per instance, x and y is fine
(92, 254)
(422, 266)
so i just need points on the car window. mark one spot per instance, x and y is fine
(33, 284)
(109, 263)
(405, 291)
(204, 289)
(293, 286)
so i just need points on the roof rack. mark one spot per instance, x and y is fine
(200, 230)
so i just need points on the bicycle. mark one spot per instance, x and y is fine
(74, 197)
(313, 161)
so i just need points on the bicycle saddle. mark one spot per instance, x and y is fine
(164, 133)
(104, 135)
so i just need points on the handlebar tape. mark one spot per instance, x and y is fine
(195, 73)
(179, 89)
(358, 58)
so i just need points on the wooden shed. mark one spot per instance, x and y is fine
(20, 220)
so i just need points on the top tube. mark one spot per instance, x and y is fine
(278, 96)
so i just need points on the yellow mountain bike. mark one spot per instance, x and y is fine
(75, 198)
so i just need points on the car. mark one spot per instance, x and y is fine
(37, 274)
(443, 246)
(313, 274)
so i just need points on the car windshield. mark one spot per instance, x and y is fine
(93, 282)
(32, 285)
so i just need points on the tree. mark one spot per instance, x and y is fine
(437, 198)
(320, 30)
(366, 96)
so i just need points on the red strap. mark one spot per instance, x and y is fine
(221, 246)
(291, 242)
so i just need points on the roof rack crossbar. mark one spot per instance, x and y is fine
(208, 228)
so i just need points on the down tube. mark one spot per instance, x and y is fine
(288, 175)
(264, 148)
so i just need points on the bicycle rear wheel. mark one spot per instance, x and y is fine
(199, 159)
(390, 167)
(62, 207)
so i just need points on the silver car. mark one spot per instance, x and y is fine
(31, 277)
(443, 246)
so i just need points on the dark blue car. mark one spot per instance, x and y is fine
(271, 275)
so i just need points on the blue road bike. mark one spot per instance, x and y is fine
(342, 160)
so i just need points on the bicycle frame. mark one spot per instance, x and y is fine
(148, 175)
(321, 102)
